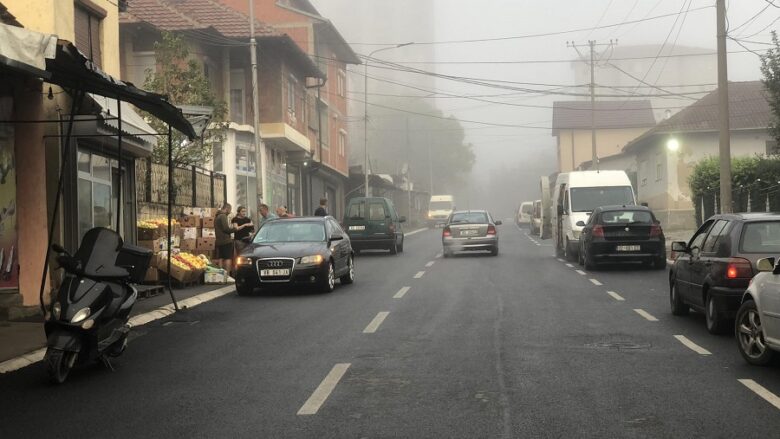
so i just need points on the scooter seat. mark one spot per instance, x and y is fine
(107, 273)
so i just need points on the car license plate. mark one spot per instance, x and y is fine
(468, 233)
(275, 272)
(357, 227)
(628, 248)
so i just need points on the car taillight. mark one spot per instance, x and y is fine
(491, 229)
(655, 230)
(446, 233)
(598, 231)
(739, 268)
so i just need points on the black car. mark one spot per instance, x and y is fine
(712, 270)
(299, 252)
(622, 234)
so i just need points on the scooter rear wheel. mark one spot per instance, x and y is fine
(58, 364)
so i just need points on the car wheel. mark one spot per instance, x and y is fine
(581, 257)
(401, 247)
(349, 277)
(588, 262)
(494, 251)
(394, 248)
(679, 308)
(567, 251)
(329, 283)
(660, 263)
(750, 335)
(716, 324)
(446, 253)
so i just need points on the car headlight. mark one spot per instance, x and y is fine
(81, 315)
(243, 260)
(313, 259)
(56, 309)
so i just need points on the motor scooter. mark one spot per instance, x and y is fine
(88, 319)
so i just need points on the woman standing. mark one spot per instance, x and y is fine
(243, 224)
(224, 241)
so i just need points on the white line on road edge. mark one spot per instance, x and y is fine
(761, 391)
(595, 282)
(401, 292)
(561, 260)
(580, 272)
(646, 315)
(141, 319)
(374, 325)
(323, 391)
(438, 255)
(570, 266)
(616, 296)
(419, 274)
(414, 232)
(430, 264)
(692, 346)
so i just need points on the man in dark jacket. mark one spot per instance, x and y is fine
(322, 210)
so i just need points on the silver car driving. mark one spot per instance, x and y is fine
(470, 230)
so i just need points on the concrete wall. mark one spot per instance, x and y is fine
(608, 142)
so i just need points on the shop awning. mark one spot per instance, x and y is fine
(25, 51)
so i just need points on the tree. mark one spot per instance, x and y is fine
(770, 67)
(183, 81)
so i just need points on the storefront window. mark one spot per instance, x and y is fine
(96, 187)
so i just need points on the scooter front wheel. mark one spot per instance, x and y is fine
(58, 364)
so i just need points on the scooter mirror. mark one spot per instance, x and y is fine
(58, 248)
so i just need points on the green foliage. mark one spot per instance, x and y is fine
(745, 174)
(770, 67)
(183, 81)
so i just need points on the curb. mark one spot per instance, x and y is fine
(139, 320)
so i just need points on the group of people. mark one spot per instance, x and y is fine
(233, 235)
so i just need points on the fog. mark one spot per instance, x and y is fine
(514, 144)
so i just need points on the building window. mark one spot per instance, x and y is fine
(96, 197)
(643, 172)
(772, 148)
(291, 84)
(217, 158)
(87, 21)
(342, 143)
(237, 97)
(245, 158)
(658, 172)
(342, 83)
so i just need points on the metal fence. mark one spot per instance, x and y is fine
(755, 199)
(192, 186)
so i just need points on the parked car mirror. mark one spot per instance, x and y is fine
(580, 223)
(680, 247)
(765, 264)
(499, 222)
(401, 219)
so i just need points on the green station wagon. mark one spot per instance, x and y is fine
(373, 224)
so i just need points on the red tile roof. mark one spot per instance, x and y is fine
(569, 115)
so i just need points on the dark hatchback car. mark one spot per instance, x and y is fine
(622, 234)
(297, 252)
(712, 271)
(373, 224)
(471, 230)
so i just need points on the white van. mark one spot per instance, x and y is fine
(524, 213)
(574, 197)
(439, 209)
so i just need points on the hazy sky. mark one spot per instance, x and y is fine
(532, 150)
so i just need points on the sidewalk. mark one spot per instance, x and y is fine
(19, 338)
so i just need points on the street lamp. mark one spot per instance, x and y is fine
(365, 101)
(673, 145)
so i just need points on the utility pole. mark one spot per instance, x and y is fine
(255, 110)
(723, 111)
(430, 164)
(408, 165)
(592, 48)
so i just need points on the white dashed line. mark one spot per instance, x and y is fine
(374, 325)
(761, 391)
(595, 282)
(580, 272)
(315, 401)
(570, 266)
(401, 292)
(561, 260)
(649, 317)
(438, 255)
(430, 264)
(691, 345)
(414, 232)
(419, 274)
(616, 296)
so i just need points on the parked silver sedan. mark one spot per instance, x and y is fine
(470, 230)
(757, 327)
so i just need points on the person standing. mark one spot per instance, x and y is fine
(224, 242)
(265, 214)
(323, 209)
(243, 236)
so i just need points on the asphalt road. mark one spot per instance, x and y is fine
(519, 345)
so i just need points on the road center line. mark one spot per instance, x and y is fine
(430, 264)
(595, 282)
(570, 266)
(401, 292)
(761, 391)
(560, 260)
(414, 232)
(616, 296)
(321, 393)
(374, 325)
(419, 274)
(438, 255)
(646, 315)
(692, 346)
(580, 272)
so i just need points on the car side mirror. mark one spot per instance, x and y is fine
(765, 265)
(580, 223)
(499, 222)
(401, 219)
(644, 204)
(336, 237)
(680, 247)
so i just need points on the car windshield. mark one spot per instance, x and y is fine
(469, 218)
(585, 199)
(761, 237)
(440, 205)
(290, 231)
(527, 208)
(626, 217)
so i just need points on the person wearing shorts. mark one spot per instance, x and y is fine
(224, 241)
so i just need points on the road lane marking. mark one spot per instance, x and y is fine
(595, 282)
(691, 345)
(616, 296)
(374, 325)
(438, 255)
(430, 264)
(561, 260)
(419, 274)
(580, 272)
(645, 314)
(401, 292)
(570, 266)
(761, 391)
(414, 232)
(323, 391)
